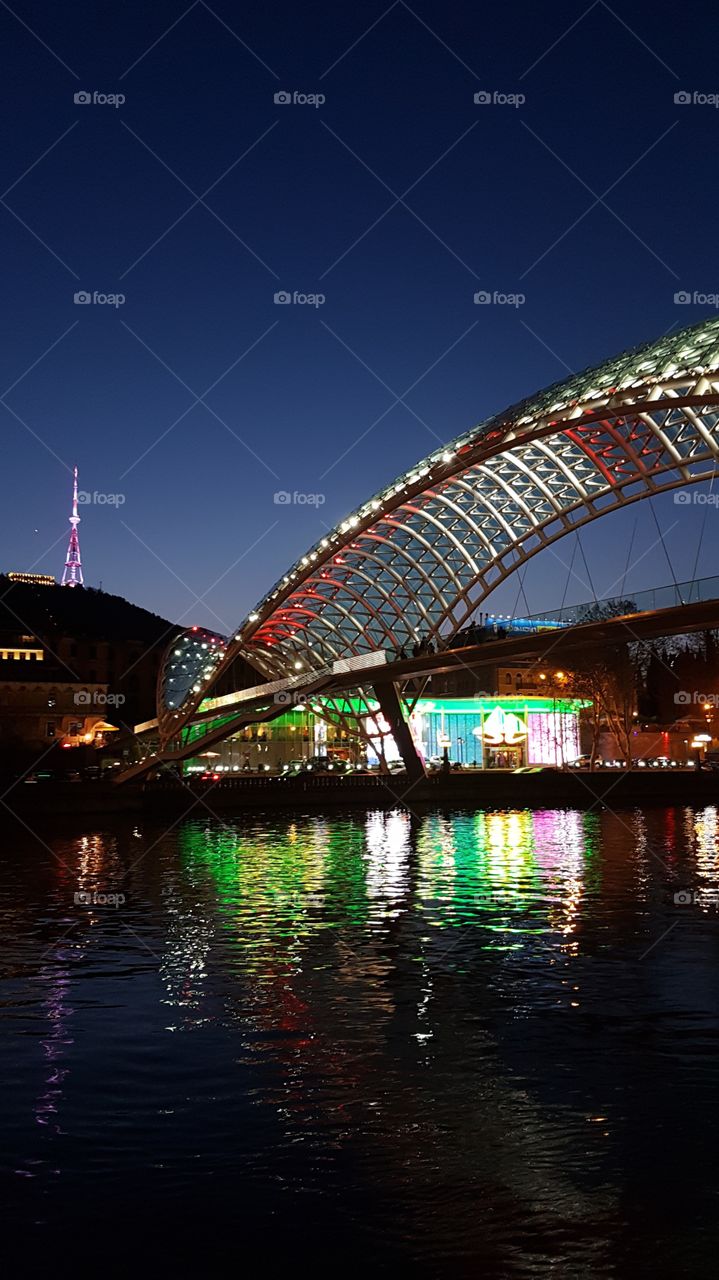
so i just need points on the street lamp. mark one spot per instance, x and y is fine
(699, 745)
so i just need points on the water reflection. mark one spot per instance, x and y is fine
(512, 874)
(448, 1016)
(337, 934)
(55, 1045)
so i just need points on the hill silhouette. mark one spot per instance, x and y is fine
(83, 612)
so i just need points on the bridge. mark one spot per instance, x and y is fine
(416, 562)
(221, 717)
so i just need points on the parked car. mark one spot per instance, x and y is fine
(326, 764)
(292, 767)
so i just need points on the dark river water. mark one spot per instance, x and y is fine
(466, 1044)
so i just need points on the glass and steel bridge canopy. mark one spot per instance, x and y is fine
(416, 560)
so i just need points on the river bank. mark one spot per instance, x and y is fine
(578, 788)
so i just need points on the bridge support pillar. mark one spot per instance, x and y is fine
(391, 708)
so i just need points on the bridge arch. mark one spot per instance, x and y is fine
(422, 554)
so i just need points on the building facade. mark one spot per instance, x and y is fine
(491, 732)
(36, 714)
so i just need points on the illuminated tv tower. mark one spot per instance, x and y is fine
(72, 573)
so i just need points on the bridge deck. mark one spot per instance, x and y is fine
(252, 704)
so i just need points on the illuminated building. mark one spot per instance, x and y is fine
(495, 732)
(23, 650)
(37, 713)
(35, 579)
(299, 734)
(488, 732)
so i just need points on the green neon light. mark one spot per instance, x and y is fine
(512, 702)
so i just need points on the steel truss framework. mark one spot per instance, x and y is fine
(416, 560)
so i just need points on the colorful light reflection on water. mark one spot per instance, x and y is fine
(465, 1041)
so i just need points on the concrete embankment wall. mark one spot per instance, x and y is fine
(504, 790)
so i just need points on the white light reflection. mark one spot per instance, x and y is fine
(387, 838)
(560, 844)
(99, 867)
(183, 967)
(706, 833)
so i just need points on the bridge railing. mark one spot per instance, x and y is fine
(667, 597)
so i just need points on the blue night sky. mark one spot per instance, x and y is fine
(312, 199)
